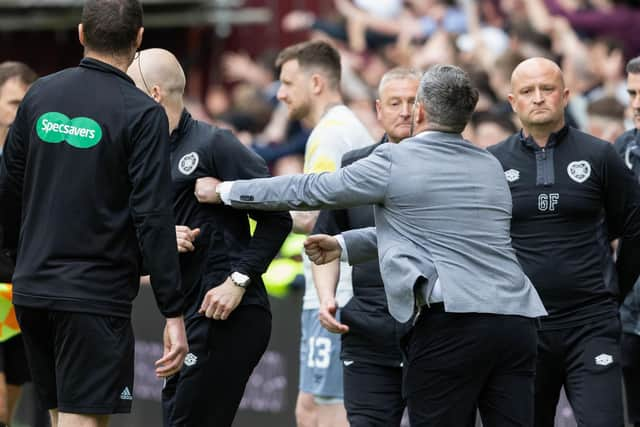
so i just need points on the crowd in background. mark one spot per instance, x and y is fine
(591, 40)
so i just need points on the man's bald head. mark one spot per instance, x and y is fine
(535, 67)
(158, 73)
(538, 95)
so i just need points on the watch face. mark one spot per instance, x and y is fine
(240, 279)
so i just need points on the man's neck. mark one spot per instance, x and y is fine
(322, 105)
(174, 113)
(541, 134)
(120, 62)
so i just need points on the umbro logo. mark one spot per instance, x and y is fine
(191, 359)
(604, 359)
(126, 394)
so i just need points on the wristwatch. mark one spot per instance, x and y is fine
(240, 279)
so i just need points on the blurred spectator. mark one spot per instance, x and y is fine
(605, 119)
(489, 128)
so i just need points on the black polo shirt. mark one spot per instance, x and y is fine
(570, 199)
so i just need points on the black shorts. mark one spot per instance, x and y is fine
(80, 363)
(13, 361)
(373, 394)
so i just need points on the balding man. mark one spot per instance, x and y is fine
(571, 194)
(227, 317)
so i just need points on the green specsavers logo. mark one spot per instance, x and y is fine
(81, 132)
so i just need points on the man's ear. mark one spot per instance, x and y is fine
(317, 84)
(139, 37)
(81, 34)
(512, 101)
(156, 94)
(421, 116)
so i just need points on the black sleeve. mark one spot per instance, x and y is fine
(234, 161)
(12, 169)
(621, 195)
(152, 210)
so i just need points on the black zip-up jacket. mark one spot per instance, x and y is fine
(373, 334)
(225, 243)
(86, 180)
(628, 147)
(569, 200)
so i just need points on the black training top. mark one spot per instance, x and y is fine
(373, 334)
(225, 243)
(85, 178)
(569, 200)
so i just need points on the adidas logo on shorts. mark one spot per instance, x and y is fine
(126, 394)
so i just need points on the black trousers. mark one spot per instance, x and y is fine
(373, 394)
(585, 359)
(630, 360)
(458, 362)
(222, 354)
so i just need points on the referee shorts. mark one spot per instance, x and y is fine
(80, 363)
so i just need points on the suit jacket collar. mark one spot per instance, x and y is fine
(437, 136)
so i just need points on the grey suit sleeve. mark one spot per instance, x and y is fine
(363, 182)
(361, 245)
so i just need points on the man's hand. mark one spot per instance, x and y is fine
(175, 348)
(220, 301)
(206, 190)
(327, 315)
(322, 248)
(185, 237)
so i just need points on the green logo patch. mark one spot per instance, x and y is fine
(81, 132)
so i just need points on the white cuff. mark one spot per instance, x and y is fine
(344, 255)
(224, 190)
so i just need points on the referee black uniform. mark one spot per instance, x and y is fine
(85, 178)
(570, 199)
(222, 353)
(371, 357)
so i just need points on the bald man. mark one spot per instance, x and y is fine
(571, 195)
(227, 316)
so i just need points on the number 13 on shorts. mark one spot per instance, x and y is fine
(319, 352)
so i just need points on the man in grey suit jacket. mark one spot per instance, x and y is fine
(442, 212)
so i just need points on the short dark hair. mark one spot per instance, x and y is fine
(111, 26)
(314, 54)
(15, 69)
(608, 107)
(500, 119)
(633, 66)
(448, 97)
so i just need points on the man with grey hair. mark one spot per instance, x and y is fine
(442, 236)
(628, 146)
(371, 357)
